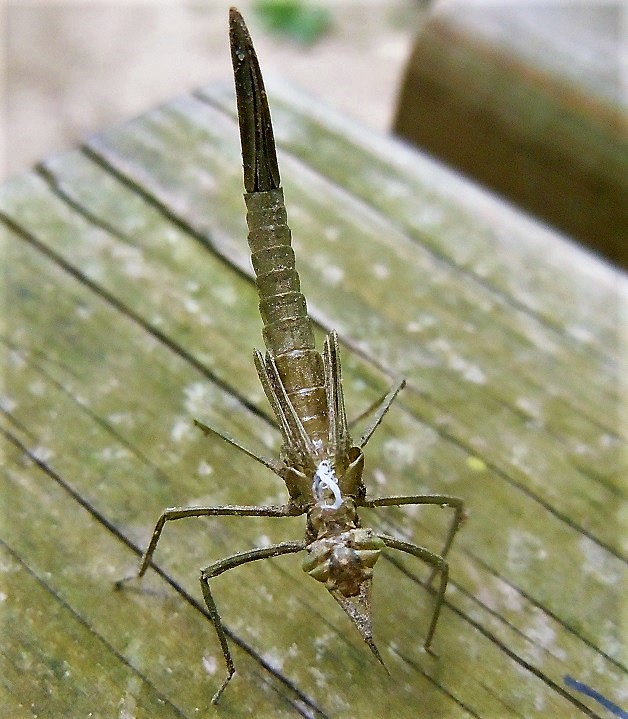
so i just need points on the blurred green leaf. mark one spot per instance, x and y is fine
(294, 18)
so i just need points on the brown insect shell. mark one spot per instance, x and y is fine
(350, 481)
(299, 487)
(343, 561)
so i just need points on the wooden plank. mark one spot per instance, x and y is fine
(133, 311)
(528, 100)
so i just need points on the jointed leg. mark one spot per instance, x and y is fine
(222, 566)
(442, 500)
(381, 407)
(272, 464)
(173, 513)
(439, 564)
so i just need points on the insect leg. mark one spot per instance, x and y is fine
(442, 500)
(439, 564)
(173, 513)
(269, 462)
(382, 407)
(222, 565)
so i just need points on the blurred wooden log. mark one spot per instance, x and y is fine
(132, 310)
(527, 99)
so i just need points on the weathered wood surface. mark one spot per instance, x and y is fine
(527, 98)
(131, 310)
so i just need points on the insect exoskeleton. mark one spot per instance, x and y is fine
(343, 555)
(318, 462)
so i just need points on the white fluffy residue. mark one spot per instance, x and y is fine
(325, 479)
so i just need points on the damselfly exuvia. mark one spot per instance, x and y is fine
(319, 462)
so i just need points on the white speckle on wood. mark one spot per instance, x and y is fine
(191, 305)
(171, 236)
(274, 658)
(116, 452)
(532, 406)
(420, 324)
(180, 429)
(597, 563)
(331, 233)
(523, 549)
(541, 632)
(511, 597)
(196, 398)
(83, 312)
(43, 454)
(319, 677)
(519, 456)
(539, 701)
(582, 334)
(400, 453)
(225, 294)
(16, 360)
(132, 261)
(379, 477)
(333, 275)
(121, 418)
(470, 372)
(210, 665)
(381, 271)
(128, 703)
(204, 469)
(7, 404)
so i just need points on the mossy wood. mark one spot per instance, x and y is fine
(131, 310)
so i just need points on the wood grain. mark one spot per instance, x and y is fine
(131, 310)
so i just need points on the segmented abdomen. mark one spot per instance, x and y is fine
(287, 329)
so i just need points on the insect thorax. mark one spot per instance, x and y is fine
(343, 554)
